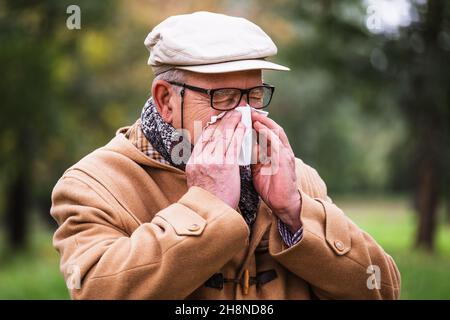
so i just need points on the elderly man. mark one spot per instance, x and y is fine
(161, 212)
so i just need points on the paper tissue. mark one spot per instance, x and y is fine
(245, 155)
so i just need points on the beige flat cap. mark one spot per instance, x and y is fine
(207, 42)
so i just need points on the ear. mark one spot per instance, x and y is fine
(162, 93)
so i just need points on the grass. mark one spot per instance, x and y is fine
(34, 274)
(391, 222)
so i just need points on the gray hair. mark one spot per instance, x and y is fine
(172, 75)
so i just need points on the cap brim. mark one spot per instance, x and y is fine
(233, 66)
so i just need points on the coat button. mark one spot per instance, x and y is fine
(194, 227)
(339, 245)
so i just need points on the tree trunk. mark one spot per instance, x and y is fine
(17, 210)
(427, 199)
(19, 193)
(428, 185)
(447, 206)
(428, 122)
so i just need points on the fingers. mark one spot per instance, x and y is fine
(229, 122)
(211, 128)
(270, 152)
(224, 132)
(232, 152)
(255, 153)
(216, 138)
(273, 140)
(212, 131)
(273, 126)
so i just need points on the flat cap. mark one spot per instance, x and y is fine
(207, 42)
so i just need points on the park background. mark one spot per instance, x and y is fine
(366, 103)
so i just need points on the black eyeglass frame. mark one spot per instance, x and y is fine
(210, 93)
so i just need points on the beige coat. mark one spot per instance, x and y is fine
(129, 228)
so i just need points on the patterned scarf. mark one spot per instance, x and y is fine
(164, 137)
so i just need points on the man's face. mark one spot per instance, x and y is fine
(197, 105)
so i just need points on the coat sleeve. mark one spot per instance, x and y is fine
(336, 257)
(167, 258)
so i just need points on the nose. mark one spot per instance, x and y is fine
(244, 101)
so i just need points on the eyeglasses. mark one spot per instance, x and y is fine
(225, 99)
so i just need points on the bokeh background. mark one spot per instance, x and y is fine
(366, 103)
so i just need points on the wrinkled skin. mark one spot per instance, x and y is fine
(213, 162)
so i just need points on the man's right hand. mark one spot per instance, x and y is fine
(213, 164)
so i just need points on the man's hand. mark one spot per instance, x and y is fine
(213, 163)
(279, 188)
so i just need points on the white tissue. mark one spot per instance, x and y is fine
(245, 155)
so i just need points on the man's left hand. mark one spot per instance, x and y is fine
(275, 179)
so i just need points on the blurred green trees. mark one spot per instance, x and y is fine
(369, 111)
(372, 111)
(47, 101)
(419, 73)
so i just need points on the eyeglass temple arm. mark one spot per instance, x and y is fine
(182, 105)
(184, 85)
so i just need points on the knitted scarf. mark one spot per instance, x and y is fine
(164, 137)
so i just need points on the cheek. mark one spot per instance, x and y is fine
(202, 113)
